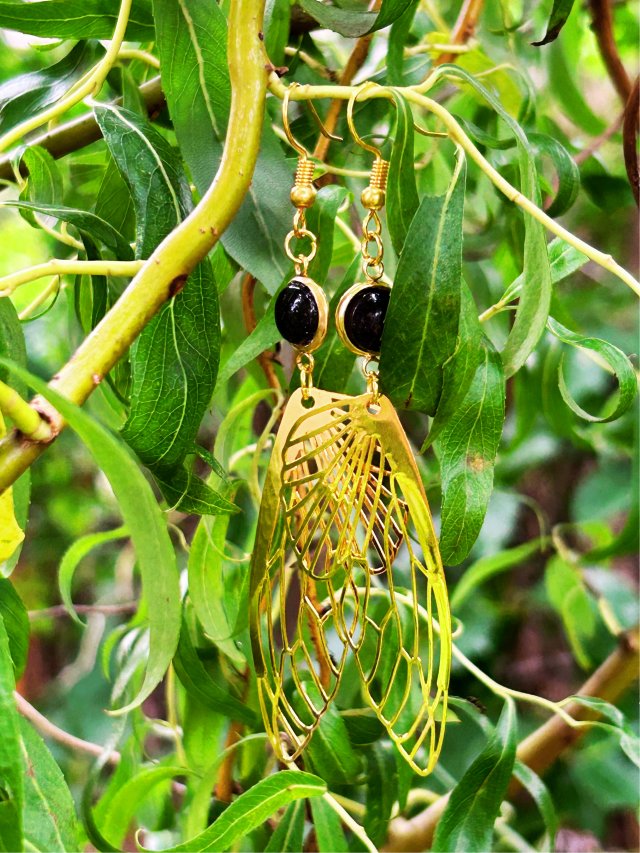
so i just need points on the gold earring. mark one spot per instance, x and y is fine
(344, 546)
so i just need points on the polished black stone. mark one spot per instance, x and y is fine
(296, 313)
(364, 317)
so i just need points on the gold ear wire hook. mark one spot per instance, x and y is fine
(352, 128)
(373, 197)
(302, 151)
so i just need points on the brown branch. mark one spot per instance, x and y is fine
(593, 146)
(630, 126)
(224, 785)
(265, 359)
(541, 748)
(356, 60)
(106, 609)
(82, 131)
(603, 29)
(463, 29)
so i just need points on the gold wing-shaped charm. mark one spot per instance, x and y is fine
(346, 565)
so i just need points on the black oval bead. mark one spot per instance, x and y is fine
(297, 314)
(364, 317)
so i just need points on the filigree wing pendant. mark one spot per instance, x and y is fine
(344, 525)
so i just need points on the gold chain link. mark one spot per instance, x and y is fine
(372, 265)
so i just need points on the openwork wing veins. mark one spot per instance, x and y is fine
(345, 546)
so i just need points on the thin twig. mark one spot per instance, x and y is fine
(463, 29)
(9, 283)
(603, 29)
(265, 359)
(595, 144)
(630, 125)
(25, 418)
(106, 609)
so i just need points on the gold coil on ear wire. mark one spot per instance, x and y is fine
(373, 197)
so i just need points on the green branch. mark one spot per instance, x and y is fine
(185, 247)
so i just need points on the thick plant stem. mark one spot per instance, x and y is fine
(25, 418)
(541, 748)
(168, 267)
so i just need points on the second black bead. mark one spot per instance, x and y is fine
(363, 318)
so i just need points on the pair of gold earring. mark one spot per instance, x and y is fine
(347, 586)
(301, 309)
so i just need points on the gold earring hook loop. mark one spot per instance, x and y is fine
(352, 127)
(293, 142)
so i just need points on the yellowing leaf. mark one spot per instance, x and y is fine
(10, 533)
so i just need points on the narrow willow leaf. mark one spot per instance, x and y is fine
(147, 528)
(333, 361)
(542, 798)
(563, 260)
(382, 792)
(467, 822)
(85, 221)
(74, 555)
(175, 359)
(402, 194)
(75, 19)
(568, 596)
(44, 182)
(535, 298)
(321, 222)
(614, 357)
(352, 22)
(330, 836)
(559, 13)
(11, 772)
(210, 598)
(567, 172)
(252, 808)
(629, 740)
(114, 202)
(202, 686)
(50, 821)
(12, 346)
(398, 37)
(263, 337)
(467, 449)
(290, 831)
(16, 623)
(421, 326)
(128, 798)
(26, 95)
(191, 39)
(277, 23)
(460, 368)
(330, 751)
(494, 564)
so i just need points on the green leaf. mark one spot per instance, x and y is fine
(11, 773)
(330, 836)
(402, 194)
(128, 798)
(567, 171)
(50, 821)
(191, 39)
(321, 222)
(559, 14)
(460, 368)
(27, 94)
(629, 740)
(542, 798)
(615, 358)
(398, 37)
(252, 808)
(569, 598)
(467, 449)
(74, 19)
(535, 298)
(420, 330)
(330, 751)
(493, 564)
(263, 337)
(467, 822)
(563, 260)
(74, 555)
(211, 599)
(147, 528)
(353, 23)
(86, 222)
(382, 792)
(289, 832)
(44, 183)
(175, 359)
(16, 623)
(333, 361)
(277, 22)
(202, 686)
